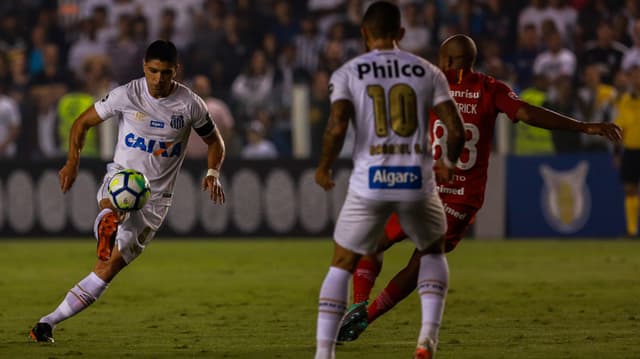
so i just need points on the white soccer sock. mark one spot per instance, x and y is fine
(98, 219)
(79, 297)
(334, 295)
(433, 281)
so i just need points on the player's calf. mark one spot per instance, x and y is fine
(105, 229)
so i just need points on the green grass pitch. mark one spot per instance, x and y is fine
(258, 299)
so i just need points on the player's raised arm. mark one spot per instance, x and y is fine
(447, 111)
(544, 118)
(333, 139)
(81, 125)
(215, 157)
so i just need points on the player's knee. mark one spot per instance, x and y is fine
(106, 203)
(345, 259)
(437, 247)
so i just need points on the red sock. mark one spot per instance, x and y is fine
(364, 278)
(386, 300)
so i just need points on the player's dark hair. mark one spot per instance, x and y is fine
(382, 19)
(162, 50)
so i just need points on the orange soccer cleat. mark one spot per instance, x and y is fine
(107, 229)
(426, 350)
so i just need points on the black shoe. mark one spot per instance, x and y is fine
(42, 332)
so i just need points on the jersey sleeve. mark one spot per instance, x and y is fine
(111, 104)
(506, 100)
(202, 122)
(339, 85)
(440, 88)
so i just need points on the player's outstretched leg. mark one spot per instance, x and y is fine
(82, 295)
(354, 321)
(364, 277)
(105, 229)
(433, 282)
(402, 284)
(358, 317)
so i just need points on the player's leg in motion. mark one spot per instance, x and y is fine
(364, 277)
(433, 283)
(631, 206)
(334, 294)
(90, 288)
(403, 283)
(368, 269)
(105, 228)
(80, 296)
(358, 222)
(630, 175)
(356, 320)
(425, 223)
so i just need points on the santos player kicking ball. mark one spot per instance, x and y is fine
(387, 93)
(479, 99)
(156, 115)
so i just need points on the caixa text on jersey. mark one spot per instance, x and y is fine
(390, 69)
(155, 147)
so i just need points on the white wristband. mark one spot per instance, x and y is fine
(447, 162)
(213, 173)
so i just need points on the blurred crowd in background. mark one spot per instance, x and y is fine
(244, 57)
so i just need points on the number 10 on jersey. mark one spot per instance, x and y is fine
(403, 109)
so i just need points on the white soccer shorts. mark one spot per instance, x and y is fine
(361, 222)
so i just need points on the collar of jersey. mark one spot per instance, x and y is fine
(161, 99)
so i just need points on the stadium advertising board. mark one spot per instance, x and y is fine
(564, 195)
(264, 198)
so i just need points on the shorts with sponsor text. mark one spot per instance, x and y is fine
(361, 221)
(138, 227)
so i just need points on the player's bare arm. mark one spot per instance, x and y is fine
(333, 139)
(215, 157)
(447, 111)
(545, 118)
(82, 124)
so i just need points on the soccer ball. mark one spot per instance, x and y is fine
(129, 190)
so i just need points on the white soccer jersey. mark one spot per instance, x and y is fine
(392, 92)
(153, 133)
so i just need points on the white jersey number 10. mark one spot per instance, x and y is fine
(402, 108)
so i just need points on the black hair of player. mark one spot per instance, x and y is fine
(382, 20)
(162, 50)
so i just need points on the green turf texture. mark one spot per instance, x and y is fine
(258, 299)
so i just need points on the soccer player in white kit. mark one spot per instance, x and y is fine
(387, 93)
(155, 115)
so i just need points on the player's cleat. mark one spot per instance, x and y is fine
(354, 322)
(426, 350)
(107, 229)
(42, 332)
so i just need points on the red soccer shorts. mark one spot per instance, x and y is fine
(459, 218)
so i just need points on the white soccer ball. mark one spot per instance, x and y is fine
(129, 190)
